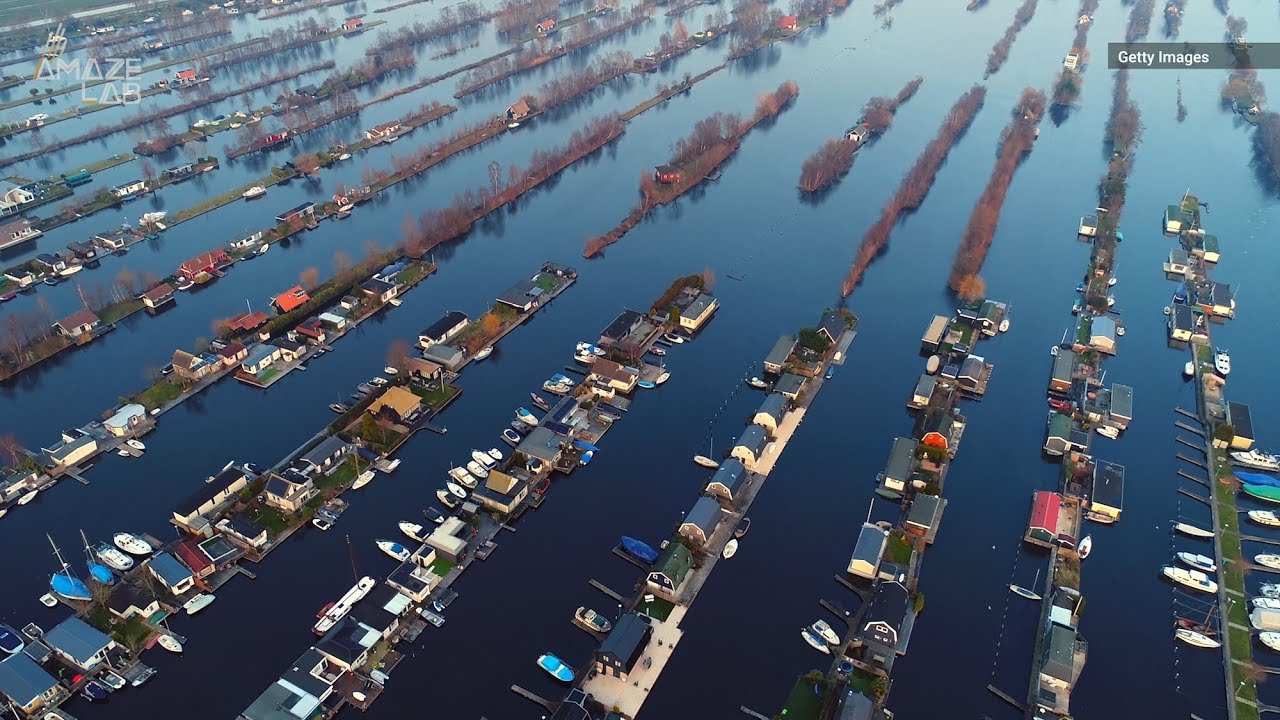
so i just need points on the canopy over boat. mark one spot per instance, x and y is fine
(1269, 493)
(639, 550)
(1254, 478)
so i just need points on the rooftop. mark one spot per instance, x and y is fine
(207, 491)
(169, 569)
(22, 680)
(705, 515)
(444, 324)
(77, 639)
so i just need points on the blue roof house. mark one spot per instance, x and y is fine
(171, 573)
(79, 643)
(701, 520)
(26, 684)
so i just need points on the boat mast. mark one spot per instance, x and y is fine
(56, 552)
(354, 572)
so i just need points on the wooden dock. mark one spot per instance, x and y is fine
(1006, 697)
(1183, 426)
(533, 698)
(752, 713)
(604, 589)
(837, 611)
(1193, 478)
(1188, 443)
(1198, 463)
(1187, 413)
(618, 551)
(1264, 541)
(1194, 496)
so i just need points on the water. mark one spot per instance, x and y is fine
(518, 604)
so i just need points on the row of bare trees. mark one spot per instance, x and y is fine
(564, 88)
(1015, 143)
(1000, 51)
(835, 158)
(522, 14)
(1139, 20)
(713, 140)
(1067, 87)
(450, 20)
(915, 185)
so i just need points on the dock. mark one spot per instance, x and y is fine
(1194, 496)
(1188, 476)
(1006, 697)
(1183, 426)
(604, 589)
(1188, 443)
(534, 698)
(1198, 463)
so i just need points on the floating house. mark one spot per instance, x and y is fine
(194, 513)
(519, 111)
(158, 296)
(1176, 220)
(728, 479)
(379, 290)
(1063, 373)
(777, 357)
(13, 196)
(69, 453)
(1179, 262)
(669, 571)
(923, 391)
(1120, 412)
(1241, 421)
(26, 686)
(17, 232)
(259, 358)
(750, 445)
(1206, 248)
(1102, 335)
(881, 631)
(696, 314)
(1042, 529)
(902, 461)
(771, 412)
(868, 551)
(621, 650)
(396, 406)
(1106, 498)
(934, 333)
(1058, 434)
(702, 520)
(79, 644)
(1088, 223)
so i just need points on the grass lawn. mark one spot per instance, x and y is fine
(412, 273)
(345, 473)
(659, 609)
(269, 518)
(1082, 330)
(158, 394)
(803, 703)
(435, 397)
(547, 283)
(116, 311)
(441, 566)
(131, 633)
(268, 374)
(897, 549)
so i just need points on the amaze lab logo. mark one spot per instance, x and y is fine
(111, 81)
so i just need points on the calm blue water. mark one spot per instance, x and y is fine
(791, 256)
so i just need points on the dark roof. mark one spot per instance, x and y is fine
(126, 595)
(444, 324)
(285, 343)
(275, 703)
(373, 614)
(789, 383)
(244, 527)
(855, 706)
(901, 458)
(870, 545)
(170, 571)
(774, 405)
(627, 640)
(1059, 654)
(22, 680)
(1122, 400)
(924, 510)
(343, 641)
(1108, 484)
(209, 490)
(888, 606)
(278, 486)
(542, 444)
(831, 324)
(705, 515)
(622, 325)
(730, 474)
(299, 674)
(754, 439)
(76, 639)
(327, 448)
(781, 350)
(972, 367)
(674, 562)
(1183, 317)
(1241, 420)
(520, 294)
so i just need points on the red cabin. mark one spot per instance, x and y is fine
(787, 23)
(666, 174)
(203, 263)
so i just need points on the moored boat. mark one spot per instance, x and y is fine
(254, 192)
(136, 444)
(11, 643)
(477, 470)
(1192, 579)
(456, 490)
(1256, 459)
(585, 358)
(673, 338)
(1268, 560)
(1193, 531)
(555, 667)
(433, 514)
(1189, 369)
(198, 603)
(338, 408)
(539, 403)
(1085, 547)
(483, 458)
(1270, 639)
(1028, 594)
(662, 377)
(447, 499)
(169, 642)
(1196, 639)
(112, 681)
(742, 528)
(132, 544)
(590, 348)
(48, 600)
(510, 437)
(646, 384)
(660, 352)
(494, 453)
(462, 477)
(394, 549)
(1222, 362)
(1268, 493)
(94, 692)
(814, 641)
(639, 550)
(589, 619)
(1264, 517)
(757, 383)
(1266, 603)
(485, 352)
(412, 530)
(526, 417)
(730, 549)
(824, 631)
(28, 497)
(1202, 563)
(64, 582)
(1107, 431)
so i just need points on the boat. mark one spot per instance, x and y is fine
(48, 600)
(70, 270)
(730, 549)
(1168, 310)
(338, 408)
(433, 514)
(591, 620)
(484, 458)
(1193, 579)
(51, 281)
(322, 523)
(660, 352)
(555, 667)
(494, 453)
(446, 499)
(662, 377)
(1189, 369)
(588, 347)
(378, 382)
(1019, 590)
(1270, 639)
(1193, 531)
(1266, 603)
(1120, 330)
(136, 444)
(112, 681)
(672, 338)
(513, 125)
(64, 583)
(99, 572)
(1222, 362)
(586, 457)
(521, 427)
(94, 691)
(254, 192)
(539, 403)
(394, 549)
(363, 479)
(1271, 590)
(364, 388)
(1107, 431)
(706, 461)
(132, 544)
(646, 384)
(485, 352)
(814, 641)
(462, 477)
(585, 358)
(169, 642)
(1059, 404)
(526, 417)
(639, 550)
(477, 470)
(824, 631)
(112, 557)
(556, 388)
(1004, 324)
(456, 490)
(153, 217)
(1256, 459)
(198, 603)
(1268, 560)
(8, 296)
(265, 247)
(757, 383)
(344, 156)
(1265, 517)
(742, 528)
(11, 643)
(1085, 547)
(510, 437)
(390, 370)
(28, 497)
(1203, 563)
(1196, 639)
(1256, 478)
(1269, 493)
(412, 530)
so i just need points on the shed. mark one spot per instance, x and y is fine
(727, 480)
(1057, 434)
(771, 412)
(750, 445)
(777, 357)
(171, 573)
(867, 552)
(1121, 412)
(79, 643)
(1064, 364)
(1102, 334)
(702, 520)
(621, 650)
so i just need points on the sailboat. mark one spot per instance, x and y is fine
(64, 583)
(705, 461)
(1028, 594)
(97, 571)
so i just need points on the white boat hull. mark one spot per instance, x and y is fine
(1270, 639)
(814, 641)
(1086, 547)
(730, 549)
(462, 477)
(705, 461)
(1268, 560)
(456, 491)
(198, 603)
(132, 544)
(1194, 531)
(170, 643)
(412, 530)
(1196, 639)
(1265, 517)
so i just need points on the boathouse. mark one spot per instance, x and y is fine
(1064, 365)
(26, 686)
(902, 461)
(443, 330)
(1088, 223)
(348, 643)
(698, 312)
(728, 479)
(128, 600)
(777, 357)
(379, 290)
(158, 295)
(1106, 497)
(208, 263)
(881, 630)
(313, 676)
(668, 573)
(1042, 529)
(79, 644)
(18, 231)
(503, 492)
(666, 174)
(868, 551)
(621, 650)
(328, 454)
(1102, 334)
(702, 520)
(750, 445)
(924, 515)
(518, 111)
(449, 538)
(771, 412)
(197, 509)
(79, 323)
(448, 356)
(289, 491)
(125, 420)
(1182, 323)
(1242, 422)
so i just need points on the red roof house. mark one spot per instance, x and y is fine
(247, 321)
(786, 23)
(204, 262)
(546, 27)
(1043, 527)
(194, 558)
(291, 299)
(186, 76)
(666, 174)
(353, 24)
(312, 329)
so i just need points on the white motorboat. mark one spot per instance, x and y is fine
(513, 125)
(378, 381)
(1189, 369)
(1266, 603)
(322, 522)
(757, 383)
(477, 470)
(48, 600)
(672, 338)
(1107, 431)
(253, 192)
(483, 458)
(485, 352)
(1270, 639)
(589, 619)
(824, 631)
(446, 499)
(1265, 517)
(663, 377)
(390, 370)
(265, 247)
(1256, 459)
(111, 680)
(495, 453)
(1202, 563)
(1085, 547)
(588, 347)
(28, 497)
(124, 453)
(456, 490)
(463, 477)
(169, 642)
(730, 549)
(510, 437)
(1268, 560)
(1191, 579)
(1199, 532)
(363, 479)
(585, 358)
(1222, 362)
(1111, 281)
(526, 417)
(1271, 590)
(705, 461)
(136, 444)
(132, 544)
(70, 270)
(556, 388)
(394, 549)
(344, 156)
(1195, 639)
(198, 603)
(814, 641)
(153, 217)
(412, 530)
(112, 557)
